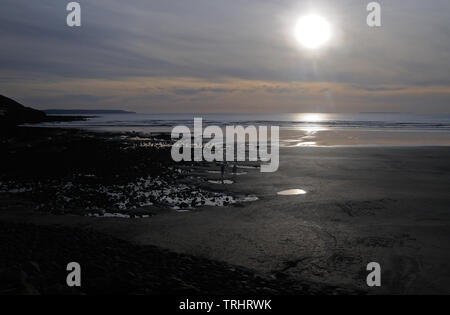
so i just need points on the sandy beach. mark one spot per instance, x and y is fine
(388, 205)
(362, 204)
(220, 155)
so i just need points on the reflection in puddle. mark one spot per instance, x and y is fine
(249, 167)
(219, 172)
(226, 182)
(116, 215)
(248, 198)
(292, 192)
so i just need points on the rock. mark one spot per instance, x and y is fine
(131, 275)
(13, 113)
(29, 289)
(33, 267)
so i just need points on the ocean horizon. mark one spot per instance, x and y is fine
(302, 129)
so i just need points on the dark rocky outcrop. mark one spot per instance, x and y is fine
(13, 113)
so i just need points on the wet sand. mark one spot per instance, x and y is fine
(317, 136)
(386, 204)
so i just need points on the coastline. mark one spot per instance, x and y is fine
(306, 136)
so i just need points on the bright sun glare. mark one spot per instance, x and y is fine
(313, 31)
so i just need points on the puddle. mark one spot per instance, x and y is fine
(248, 199)
(116, 215)
(237, 173)
(226, 182)
(248, 167)
(292, 192)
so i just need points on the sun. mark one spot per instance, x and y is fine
(313, 31)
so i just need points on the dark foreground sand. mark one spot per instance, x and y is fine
(385, 205)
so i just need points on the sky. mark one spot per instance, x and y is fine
(234, 56)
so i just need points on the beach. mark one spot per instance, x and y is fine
(225, 153)
(362, 204)
(387, 205)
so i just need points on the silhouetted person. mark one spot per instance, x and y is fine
(234, 172)
(222, 172)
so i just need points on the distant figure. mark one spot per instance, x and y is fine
(234, 172)
(222, 172)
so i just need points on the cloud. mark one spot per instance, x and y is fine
(174, 95)
(379, 88)
(214, 42)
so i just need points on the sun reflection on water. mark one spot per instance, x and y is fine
(310, 117)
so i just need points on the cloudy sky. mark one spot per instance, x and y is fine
(225, 56)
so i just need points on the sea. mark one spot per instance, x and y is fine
(317, 128)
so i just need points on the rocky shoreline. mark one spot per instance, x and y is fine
(63, 171)
(13, 114)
